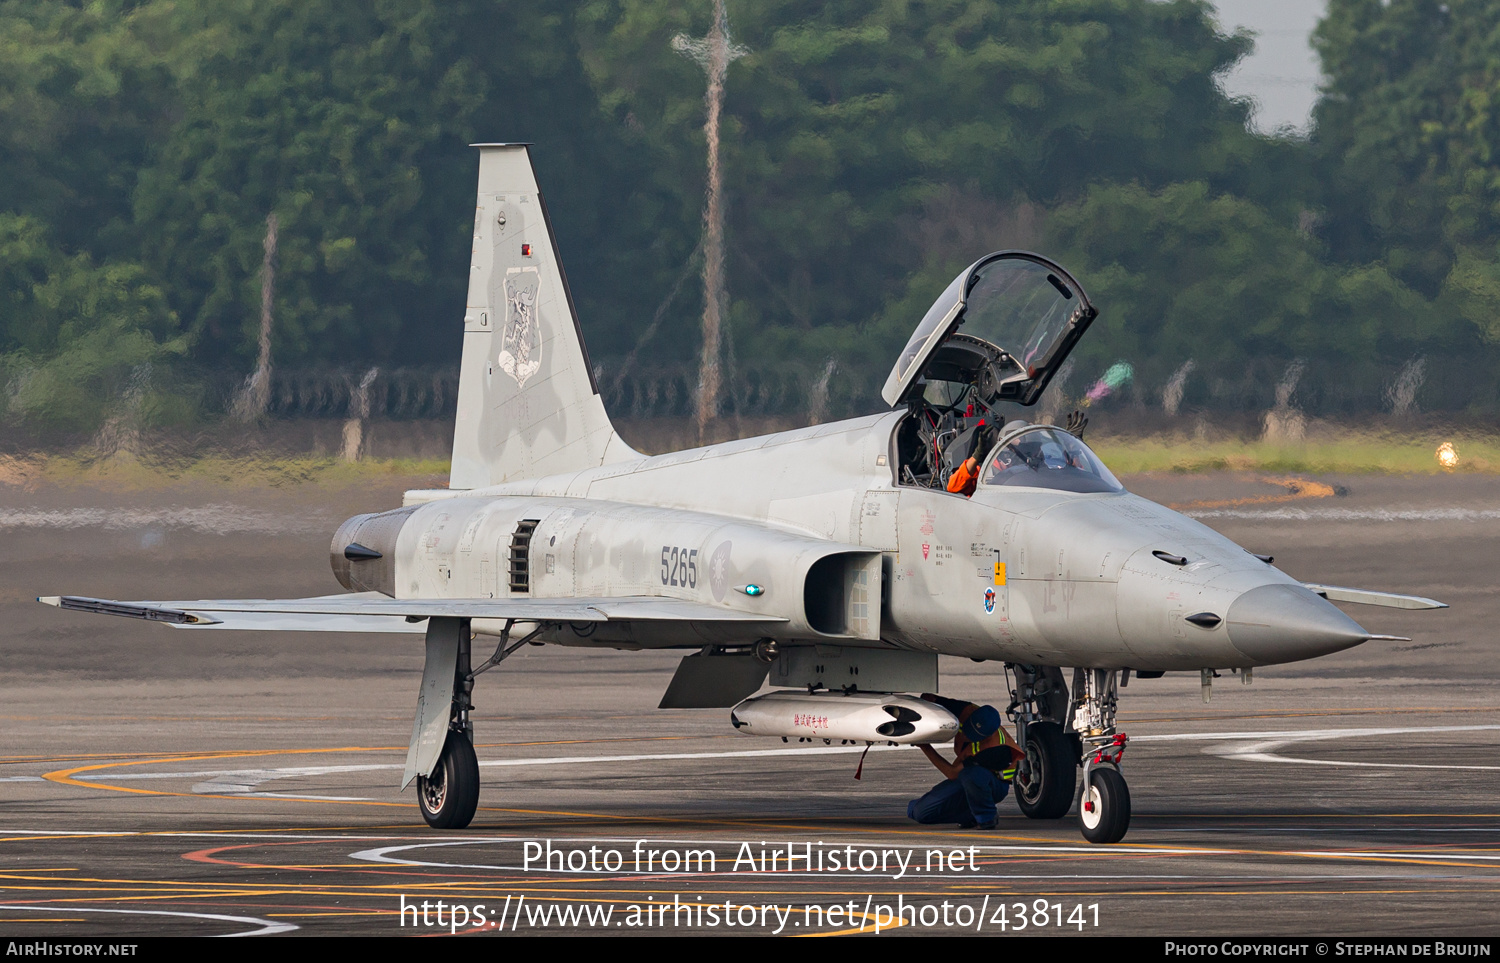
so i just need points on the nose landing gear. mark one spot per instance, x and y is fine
(1104, 809)
(1047, 776)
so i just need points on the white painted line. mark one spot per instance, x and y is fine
(1353, 514)
(298, 795)
(267, 927)
(652, 757)
(1247, 755)
(278, 773)
(223, 834)
(1446, 855)
(72, 832)
(1363, 830)
(1261, 749)
(207, 519)
(385, 854)
(242, 781)
(1299, 734)
(391, 855)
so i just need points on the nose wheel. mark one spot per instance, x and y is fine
(1104, 810)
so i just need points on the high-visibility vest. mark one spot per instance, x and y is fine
(1006, 774)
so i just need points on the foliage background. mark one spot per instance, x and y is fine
(872, 149)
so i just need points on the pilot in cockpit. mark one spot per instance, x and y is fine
(966, 475)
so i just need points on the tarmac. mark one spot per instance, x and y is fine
(164, 782)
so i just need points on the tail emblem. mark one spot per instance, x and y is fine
(520, 348)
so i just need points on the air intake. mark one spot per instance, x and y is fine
(520, 556)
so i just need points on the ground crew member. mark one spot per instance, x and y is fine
(985, 758)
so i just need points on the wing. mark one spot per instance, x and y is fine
(373, 612)
(1335, 593)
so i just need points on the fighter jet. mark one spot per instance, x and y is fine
(831, 561)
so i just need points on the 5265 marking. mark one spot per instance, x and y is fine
(679, 567)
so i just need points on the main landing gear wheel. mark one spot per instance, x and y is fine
(450, 795)
(1052, 772)
(1104, 810)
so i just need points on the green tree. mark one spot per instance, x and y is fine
(82, 101)
(78, 340)
(864, 141)
(322, 112)
(1184, 273)
(352, 122)
(1408, 132)
(1408, 141)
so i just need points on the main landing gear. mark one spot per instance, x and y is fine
(1045, 789)
(1058, 735)
(1046, 778)
(449, 797)
(441, 758)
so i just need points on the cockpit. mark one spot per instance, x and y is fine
(1041, 456)
(996, 336)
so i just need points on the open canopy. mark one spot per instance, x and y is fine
(1003, 326)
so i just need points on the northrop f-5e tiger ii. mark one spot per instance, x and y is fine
(831, 561)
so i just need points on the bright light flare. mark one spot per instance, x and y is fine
(1447, 455)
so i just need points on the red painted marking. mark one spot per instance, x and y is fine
(206, 855)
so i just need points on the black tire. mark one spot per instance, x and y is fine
(1104, 810)
(449, 798)
(1048, 790)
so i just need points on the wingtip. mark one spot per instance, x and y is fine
(1388, 638)
(53, 600)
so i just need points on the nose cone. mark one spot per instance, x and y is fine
(1286, 623)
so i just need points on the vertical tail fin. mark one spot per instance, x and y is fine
(528, 404)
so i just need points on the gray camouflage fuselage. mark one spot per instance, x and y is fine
(1081, 585)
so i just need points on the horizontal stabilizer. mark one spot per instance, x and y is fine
(373, 612)
(1335, 593)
